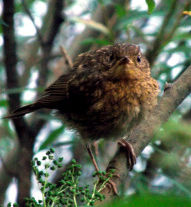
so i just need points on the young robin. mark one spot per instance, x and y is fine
(104, 94)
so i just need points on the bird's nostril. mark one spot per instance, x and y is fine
(124, 60)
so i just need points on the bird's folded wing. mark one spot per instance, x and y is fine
(56, 92)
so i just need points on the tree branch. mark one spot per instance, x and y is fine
(142, 134)
(24, 134)
(32, 19)
(52, 30)
(49, 29)
(163, 37)
(11, 161)
(10, 60)
(48, 39)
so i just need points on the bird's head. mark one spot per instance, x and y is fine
(125, 61)
(119, 61)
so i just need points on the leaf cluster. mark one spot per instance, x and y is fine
(68, 192)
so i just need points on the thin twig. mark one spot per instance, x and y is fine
(153, 53)
(33, 21)
(175, 25)
(66, 57)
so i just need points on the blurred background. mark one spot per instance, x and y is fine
(34, 60)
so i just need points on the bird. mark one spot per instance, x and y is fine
(103, 95)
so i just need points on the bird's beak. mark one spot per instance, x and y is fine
(122, 68)
(124, 60)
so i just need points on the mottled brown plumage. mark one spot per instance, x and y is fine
(105, 93)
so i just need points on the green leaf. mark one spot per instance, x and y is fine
(120, 10)
(176, 131)
(61, 144)
(151, 5)
(181, 187)
(52, 137)
(90, 41)
(3, 103)
(152, 200)
(159, 201)
(91, 23)
(134, 15)
(182, 36)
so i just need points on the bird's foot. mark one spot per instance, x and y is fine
(88, 147)
(112, 185)
(131, 156)
(96, 147)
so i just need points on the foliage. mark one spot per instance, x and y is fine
(151, 5)
(151, 200)
(68, 191)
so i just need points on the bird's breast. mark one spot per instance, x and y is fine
(114, 108)
(117, 100)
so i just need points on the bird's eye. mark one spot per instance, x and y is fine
(111, 57)
(138, 59)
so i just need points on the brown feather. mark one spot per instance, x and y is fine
(23, 110)
(104, 94)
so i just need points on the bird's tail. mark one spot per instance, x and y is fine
(23, 110)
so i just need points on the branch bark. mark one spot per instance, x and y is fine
(10, 162)
(25, 134)
(21, 127)
(142, 134)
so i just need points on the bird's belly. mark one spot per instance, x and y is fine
(105, 119)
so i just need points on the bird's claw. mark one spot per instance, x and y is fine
(112, 185)
(131, 156)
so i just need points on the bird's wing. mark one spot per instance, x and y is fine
(51, 98)
(56, 92)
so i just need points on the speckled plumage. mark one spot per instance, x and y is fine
(105, 93)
